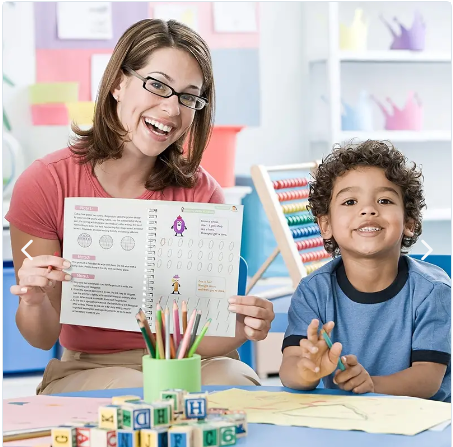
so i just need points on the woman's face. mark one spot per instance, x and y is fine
(140, 110)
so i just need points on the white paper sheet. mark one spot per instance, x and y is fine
(235, 17)
(98, 65)
(84, 20)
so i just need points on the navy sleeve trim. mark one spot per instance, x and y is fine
(292, 340)
(430, 356)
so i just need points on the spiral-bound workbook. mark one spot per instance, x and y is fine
(128, 254)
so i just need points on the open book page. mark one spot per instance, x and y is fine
(197, 260)
(129, 253)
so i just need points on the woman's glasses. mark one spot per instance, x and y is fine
(165, 91)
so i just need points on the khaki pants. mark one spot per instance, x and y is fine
(78, 371)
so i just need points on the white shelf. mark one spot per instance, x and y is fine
(395, 136)
(388, 56)
(437, 214)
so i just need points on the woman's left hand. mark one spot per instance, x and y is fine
(254, 316)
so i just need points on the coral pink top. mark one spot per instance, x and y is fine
(37, 208)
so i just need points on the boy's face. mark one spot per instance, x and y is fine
(366, 215)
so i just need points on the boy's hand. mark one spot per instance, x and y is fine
(355, 378)
(317, 359)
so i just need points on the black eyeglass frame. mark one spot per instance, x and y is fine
(173, 91)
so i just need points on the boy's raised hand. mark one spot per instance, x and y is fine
(317, 359)
(355, 378)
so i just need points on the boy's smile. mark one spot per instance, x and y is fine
(366, 214)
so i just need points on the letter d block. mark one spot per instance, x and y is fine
(103, 437)
(180, 436)
(64, 436)
(128, 438)
(157, 437)
(136, 418)
(110, 417)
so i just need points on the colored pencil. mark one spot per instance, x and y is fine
(172, 348)
(160, 351)
(186, 338)
(162, 313)
(167, 334)
(159, 317)
(184, 317)
(176, 327)
(195, 328)
(198, 339)
(144, 320)
(151, 351)
(329, 344)
(49, 268)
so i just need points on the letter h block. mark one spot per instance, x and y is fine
(195, 405)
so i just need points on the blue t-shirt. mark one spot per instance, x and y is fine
(407, 322)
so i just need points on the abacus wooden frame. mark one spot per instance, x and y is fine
(278, 223)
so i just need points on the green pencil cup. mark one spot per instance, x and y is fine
(160, 375)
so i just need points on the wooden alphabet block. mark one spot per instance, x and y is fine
(101, 437)
(205, 435)
(128, 438)
(180, 436)
(239, 419)
(195, 405)
(64, 436)
(110, 417)
(154, 437)
(168, 405)
(161, 414)
(119, 400)
(177, 396)
(227, 432)
(136, 417)
(83, 436)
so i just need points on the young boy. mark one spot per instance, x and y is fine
(388, 315)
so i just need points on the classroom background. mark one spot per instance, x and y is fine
(293, 79)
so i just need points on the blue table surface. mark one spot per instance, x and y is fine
(262, 435)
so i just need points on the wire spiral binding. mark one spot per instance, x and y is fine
(150, 262)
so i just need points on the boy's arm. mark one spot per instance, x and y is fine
(289, 370)
(422, 379)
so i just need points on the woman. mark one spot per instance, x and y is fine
(157, 91)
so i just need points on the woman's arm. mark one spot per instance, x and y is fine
(38, 315)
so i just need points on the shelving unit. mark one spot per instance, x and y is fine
(337, 73)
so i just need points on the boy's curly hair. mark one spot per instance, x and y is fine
(379, 154)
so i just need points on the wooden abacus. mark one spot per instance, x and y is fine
(292, 225)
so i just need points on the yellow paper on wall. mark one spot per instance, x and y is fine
(81, 112)
(374, 414)
(53, 92)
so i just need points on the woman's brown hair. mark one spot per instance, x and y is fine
(105, 139)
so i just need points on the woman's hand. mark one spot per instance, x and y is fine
(254, 316)
(34, 279)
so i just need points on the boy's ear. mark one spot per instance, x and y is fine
(324, 225)
(409, 228)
